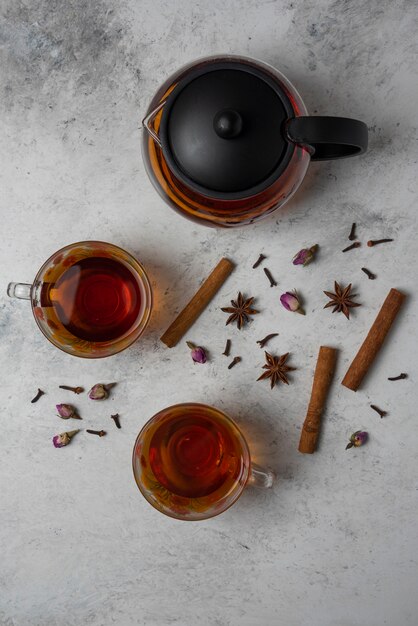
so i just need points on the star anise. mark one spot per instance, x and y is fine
(276, 369)
(240, 311)
(341, 299)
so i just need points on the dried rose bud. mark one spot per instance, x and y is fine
(100, 391)
(197, 353)
(290, 301)
(63, 439)
(357, 439)
(65, 411)
(305, 256)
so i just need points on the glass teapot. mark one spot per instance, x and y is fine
(228, 140)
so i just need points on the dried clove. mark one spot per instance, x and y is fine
(262, 342)
(374, 242)
(115, 418)
(352, 234)
(376, 408)
(227, 347)
(101, 433)
(38, 395)
(270, 277)
(356, 244)
(234, 361)
(368, 273)
(259, 260)
(76, 390)
(400, 377)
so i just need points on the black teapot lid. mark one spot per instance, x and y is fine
(222, 130)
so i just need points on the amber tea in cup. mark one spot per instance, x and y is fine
(90, 299)
(192, 462)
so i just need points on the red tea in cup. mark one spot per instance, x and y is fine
(90, 299)
(97, 299)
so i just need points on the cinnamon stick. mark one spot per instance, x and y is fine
(198, 303)
(324, 371)
(374, 340)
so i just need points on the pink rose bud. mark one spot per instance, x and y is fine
(100, 391)
(197, 353)
(65, 411)
(290, 301)
(63, 439)
(357, 439)
(305, 256)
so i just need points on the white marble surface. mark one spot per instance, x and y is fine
(334, 543)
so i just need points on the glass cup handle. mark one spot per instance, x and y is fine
(19, 290)
(147, 123)
(260, 477)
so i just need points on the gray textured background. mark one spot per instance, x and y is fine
(335, 542)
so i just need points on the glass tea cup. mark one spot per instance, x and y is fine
(191, 462)
(91, 299)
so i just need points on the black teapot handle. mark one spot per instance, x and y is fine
(328, 138)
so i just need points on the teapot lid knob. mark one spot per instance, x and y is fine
(227, 123)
